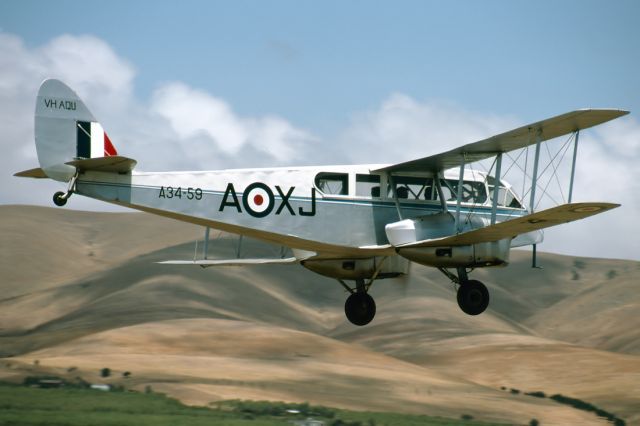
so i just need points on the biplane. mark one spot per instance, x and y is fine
(355, 223)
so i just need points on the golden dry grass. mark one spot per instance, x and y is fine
(82, 290)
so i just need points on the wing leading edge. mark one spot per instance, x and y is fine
(510, 228)
(514, 139)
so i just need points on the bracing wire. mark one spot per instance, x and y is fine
(562, 149)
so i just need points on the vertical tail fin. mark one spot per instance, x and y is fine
(65, 131)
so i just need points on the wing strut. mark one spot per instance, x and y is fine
(534, 178)
(534, 183)
(443, 201)
(205, 250)
(496, 186)
(391, 184)
(459, 195)
(573, 165)
(239, 248)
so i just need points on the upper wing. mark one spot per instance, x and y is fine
(509, 141)
(511, 228)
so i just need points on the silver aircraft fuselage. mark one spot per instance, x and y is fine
(289, 201)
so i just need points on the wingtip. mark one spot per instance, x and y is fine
(617, 111)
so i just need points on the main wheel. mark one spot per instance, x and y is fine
(59, 199)
(473, 297)
(360, 308)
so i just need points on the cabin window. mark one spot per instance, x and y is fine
(449, 190)
(472, 192)
(368, 186)
(413, 188)
(333, 183)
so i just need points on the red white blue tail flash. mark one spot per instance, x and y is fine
(92, 141)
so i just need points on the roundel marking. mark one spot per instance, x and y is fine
(258, 199)
(587, 209)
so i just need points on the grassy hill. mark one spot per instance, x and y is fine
(80, 292)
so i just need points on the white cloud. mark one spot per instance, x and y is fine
(403, 129)
(194, 113)
(180, 127)
(190, 112)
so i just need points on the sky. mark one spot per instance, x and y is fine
(208, 84)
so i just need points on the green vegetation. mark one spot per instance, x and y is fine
(582, 405)
(580, 264)
(575, 403)
(70, 406)
(575, 276)
(337, 417)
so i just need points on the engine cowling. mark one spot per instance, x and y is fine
(443, 225)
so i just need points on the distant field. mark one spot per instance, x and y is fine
(20, 405)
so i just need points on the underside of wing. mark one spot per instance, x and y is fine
(515, 139)
(320, 249)
(205, 263)
(511, 228)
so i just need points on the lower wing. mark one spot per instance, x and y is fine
(563, 213)
(205, 263)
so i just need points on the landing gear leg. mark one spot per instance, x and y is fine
(60, 198)
(360, 308)
(473, 296)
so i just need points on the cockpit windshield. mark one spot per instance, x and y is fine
(506, 197)
(472, 192)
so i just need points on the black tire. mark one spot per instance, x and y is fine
(59, 199)
(360, 308)
(473, 297)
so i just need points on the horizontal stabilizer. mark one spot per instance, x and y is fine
(37, 173)
(205, 263)
(511, 228)
(114, 164)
